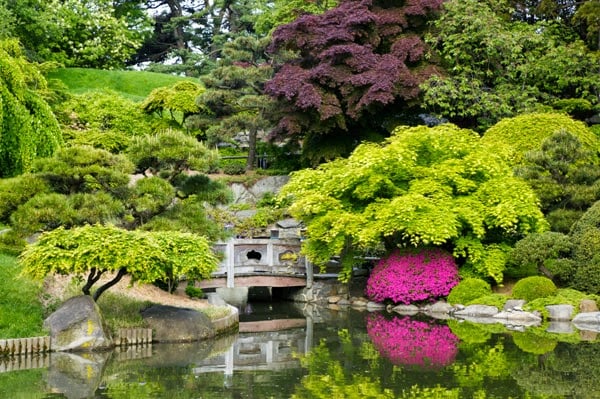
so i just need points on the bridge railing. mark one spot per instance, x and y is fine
(268, 256)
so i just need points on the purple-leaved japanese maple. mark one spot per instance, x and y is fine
(356, 65)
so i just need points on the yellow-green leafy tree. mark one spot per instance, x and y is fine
(422, 187)
(98, 250)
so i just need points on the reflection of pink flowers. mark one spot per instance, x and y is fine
(409, 342)
(412, 276)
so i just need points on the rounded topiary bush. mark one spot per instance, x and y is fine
(469, 289)
(412, 276)
(533, 287)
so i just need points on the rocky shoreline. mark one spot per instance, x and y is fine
(562, 318)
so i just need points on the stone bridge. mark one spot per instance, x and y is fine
(262, 262)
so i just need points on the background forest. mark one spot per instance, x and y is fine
(462, 125)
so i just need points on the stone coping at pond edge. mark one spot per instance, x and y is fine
(511, 315)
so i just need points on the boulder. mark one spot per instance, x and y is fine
(409, 310)
(440, 307)
(77, 326)
(587, 305)
(560, 312)
(520, 318)
(513, 304)
(173, 324)
(477, 311)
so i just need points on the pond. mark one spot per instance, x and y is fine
(288, 350)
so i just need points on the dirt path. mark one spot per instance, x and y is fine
(63, 287)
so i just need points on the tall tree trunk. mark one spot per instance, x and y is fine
(251, 162)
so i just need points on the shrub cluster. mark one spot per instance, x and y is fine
(409, 342)
(469, 289)
(533, 287)
(412, 276)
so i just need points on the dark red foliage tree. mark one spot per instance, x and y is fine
(357, 67)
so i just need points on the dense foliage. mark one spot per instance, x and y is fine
(412, 276)
(86, 33)
(498, 67)
(566, 177)
(356, 65)
(95, 250)
(423, 186)
(547, 253)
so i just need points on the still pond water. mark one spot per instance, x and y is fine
(320, 353)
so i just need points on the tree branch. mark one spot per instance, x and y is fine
(92, 278)
(115, 280)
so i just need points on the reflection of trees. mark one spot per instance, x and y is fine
(327, 378)
(569, 371)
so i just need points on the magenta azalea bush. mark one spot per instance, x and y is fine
(412, 276)
(408, 342)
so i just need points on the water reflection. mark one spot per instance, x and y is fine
(301, 351)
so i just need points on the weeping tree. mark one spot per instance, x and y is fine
(28, 128)
(99, 250)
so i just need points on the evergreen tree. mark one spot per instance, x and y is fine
(234, 101)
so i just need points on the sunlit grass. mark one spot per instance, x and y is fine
(135, 85)
(21, 312)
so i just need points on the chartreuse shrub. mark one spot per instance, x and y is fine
(407, 276)
(533, 287)
(514, 137)
(469, 289)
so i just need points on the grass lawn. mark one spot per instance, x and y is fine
(21, 313)
(135, 85)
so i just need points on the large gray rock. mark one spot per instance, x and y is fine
(173, 324)
(520, 318)
(477, 311)
(560, 312)
(77, 326)
(589, 321)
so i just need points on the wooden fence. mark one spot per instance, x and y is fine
(24, 346)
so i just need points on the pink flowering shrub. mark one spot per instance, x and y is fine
(412, 276)
(408, 342)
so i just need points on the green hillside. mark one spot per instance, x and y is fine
(135, 85)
